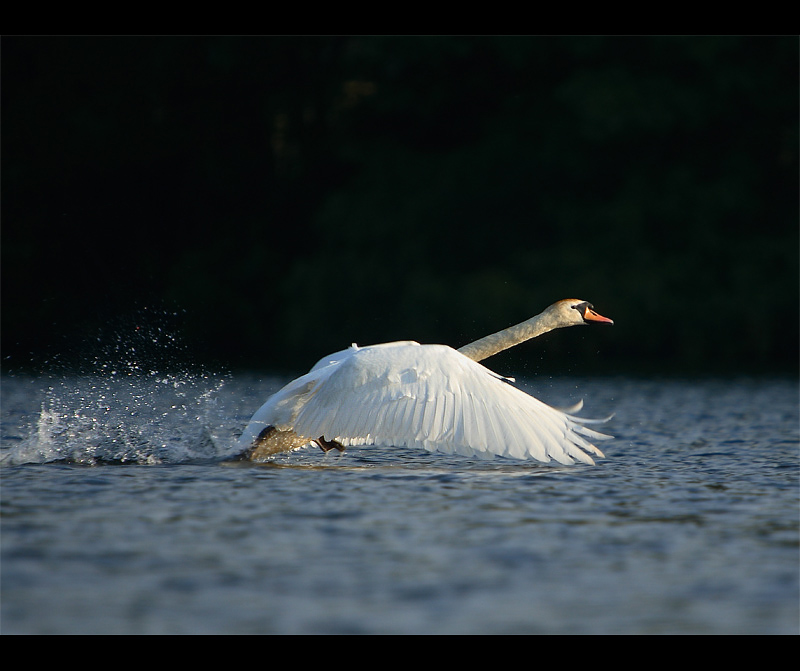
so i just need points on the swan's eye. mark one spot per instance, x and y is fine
(582, 307)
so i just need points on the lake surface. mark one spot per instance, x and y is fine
(120, 514)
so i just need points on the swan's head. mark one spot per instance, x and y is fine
(574, 311)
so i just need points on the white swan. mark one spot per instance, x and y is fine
(426, 396)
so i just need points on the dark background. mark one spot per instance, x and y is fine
(271, 200)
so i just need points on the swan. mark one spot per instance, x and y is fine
(426, 396)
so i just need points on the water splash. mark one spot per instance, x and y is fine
(121, 407)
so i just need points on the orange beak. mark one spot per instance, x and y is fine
(591, 316)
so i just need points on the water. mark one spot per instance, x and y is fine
(120, 514)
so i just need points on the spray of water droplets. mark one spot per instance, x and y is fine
(134, 400)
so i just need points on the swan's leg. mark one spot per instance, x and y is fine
(272, 441)
(327, 445)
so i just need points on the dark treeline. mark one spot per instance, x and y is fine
(288, 196)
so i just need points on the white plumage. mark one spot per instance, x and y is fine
(420, 396)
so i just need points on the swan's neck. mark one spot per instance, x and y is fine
(514, 335)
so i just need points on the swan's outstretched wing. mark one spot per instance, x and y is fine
(431, 396)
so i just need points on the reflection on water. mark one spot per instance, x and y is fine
(122, 515)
